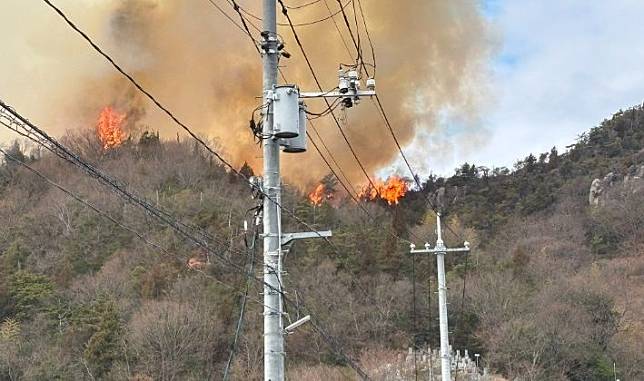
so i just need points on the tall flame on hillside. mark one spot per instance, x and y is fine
(317, 195)
(110, 128)
(391, 190)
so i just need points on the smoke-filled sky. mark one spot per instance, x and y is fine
(487, 81)
(561, 68)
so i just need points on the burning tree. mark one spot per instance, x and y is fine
(325, 190)
(317, 195)
(391, 190)
(109, 128)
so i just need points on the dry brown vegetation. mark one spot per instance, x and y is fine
(554, 286)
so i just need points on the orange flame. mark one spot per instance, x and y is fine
(391, 190)
(317, 196)
(109, 128)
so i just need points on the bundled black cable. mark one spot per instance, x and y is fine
(251, 249)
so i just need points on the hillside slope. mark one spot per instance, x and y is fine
(553, 288)
(558, 281)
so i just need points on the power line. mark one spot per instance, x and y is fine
(359, 48)
(393, 135)
(373, 52)
(459, 324)
(135, 83)
(429, 311)
(356, 200)
(317, 149)
(108, 181)
(356, 44)
(157, 103)
(402, 154)
(102, 213)
(192, 134)
(313, 2)
(242, 308)
(329, 109)
(346, 178)
(285, 12)
(358, 203)
(16, 122)
(406, 161)
(381, 109)
(386, 118)
(299, 43)
(364, 171)
(236, 7)
(344, 42)
(176, 120)
(241, 15)
(185, 127)
(65, 154)
(428, 202)
(334, 344)
(40, 137)
(414, 175)
(342, 6)
(316, 115)
(355, 17)
(326, 148)
(82, 201)
(172, 116)
(243, 28)
(413, 311)
(330, 168)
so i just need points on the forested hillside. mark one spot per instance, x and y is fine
(553, 289)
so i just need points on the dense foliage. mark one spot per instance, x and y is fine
(553, 286)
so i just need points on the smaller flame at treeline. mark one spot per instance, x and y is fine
(391, 191)
(109, 129)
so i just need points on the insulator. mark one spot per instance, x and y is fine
(343, 85)
(371, 84)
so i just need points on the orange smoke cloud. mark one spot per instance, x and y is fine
(431, 56)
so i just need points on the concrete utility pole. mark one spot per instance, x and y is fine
(440, 250)
(284, 125)
(273, 330)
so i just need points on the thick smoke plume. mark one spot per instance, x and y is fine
(431, 57)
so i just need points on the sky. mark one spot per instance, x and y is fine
(561, 67)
